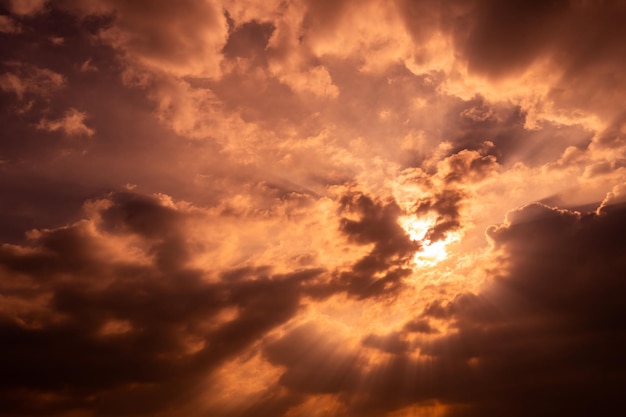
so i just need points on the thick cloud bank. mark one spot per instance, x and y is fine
(234, 208)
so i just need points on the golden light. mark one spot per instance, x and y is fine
(431, 253)
(416, 228)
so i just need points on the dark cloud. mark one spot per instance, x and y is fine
(579, 37)
(235, 128)
(446, 204)
(113, 335)
(420, 326)
(529, 25)
(377, 224)
(470, 123)
(576, 41)
(143, 215)
(545, 336)
(391, 343)
(467, 166)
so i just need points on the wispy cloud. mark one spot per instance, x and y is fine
(72, 124)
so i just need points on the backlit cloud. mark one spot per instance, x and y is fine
(312, 208)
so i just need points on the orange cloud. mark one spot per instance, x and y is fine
(309, 216)
(72, 124)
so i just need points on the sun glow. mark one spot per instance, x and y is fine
(431, 253)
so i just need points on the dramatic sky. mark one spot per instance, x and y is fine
(312, 208)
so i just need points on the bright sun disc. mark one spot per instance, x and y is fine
(431, 253)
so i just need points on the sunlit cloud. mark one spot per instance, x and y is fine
(303, 208)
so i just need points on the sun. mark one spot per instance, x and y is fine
(431, 253)
(415, 227)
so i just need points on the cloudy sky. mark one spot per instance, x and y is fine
(325, 208)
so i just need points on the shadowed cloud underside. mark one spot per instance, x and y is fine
(234, 208)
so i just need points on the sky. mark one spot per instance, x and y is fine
(312, 208)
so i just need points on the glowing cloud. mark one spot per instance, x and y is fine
(307, 208)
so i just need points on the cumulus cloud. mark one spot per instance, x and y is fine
(543, 326)
(307, 186)
(613, 199)
(383, 268)
(570, 311)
